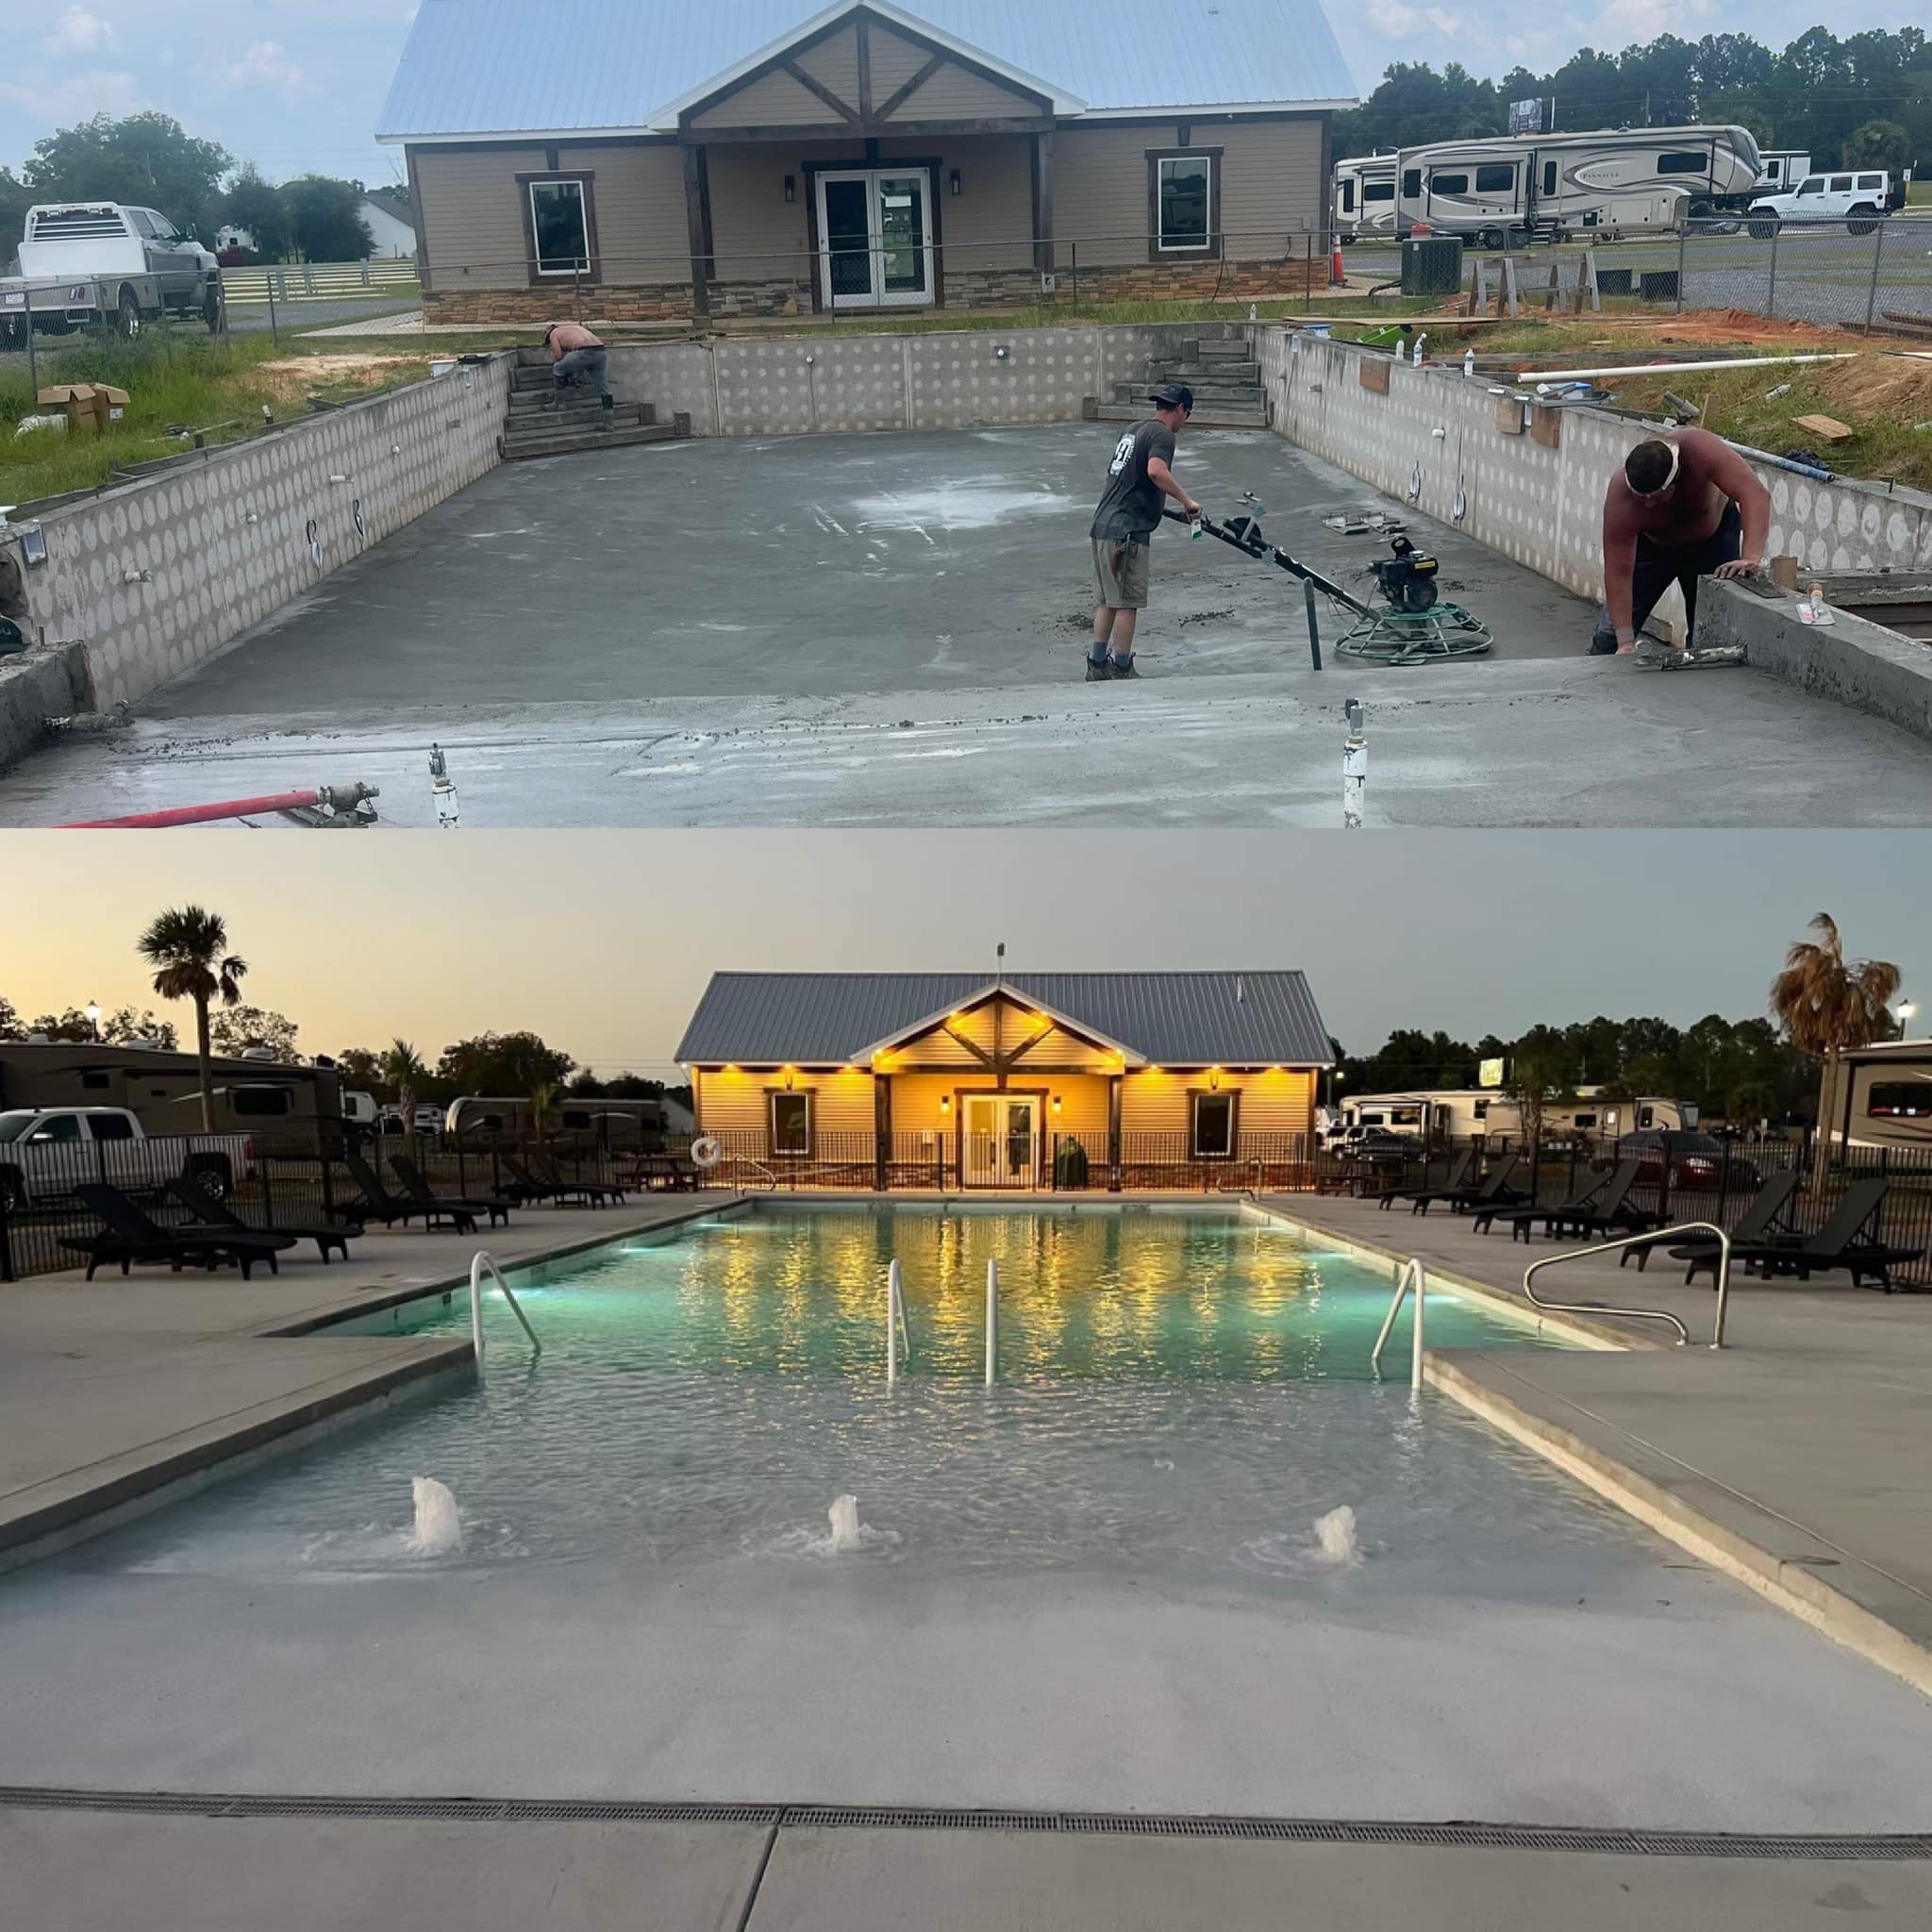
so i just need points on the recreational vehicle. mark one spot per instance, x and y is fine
(1879, 1096)
(607, 1123)
(1365, 197)
(163, 1089)
(1614, 182)
(1461, 1113)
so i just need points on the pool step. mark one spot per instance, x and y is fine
(1207, 415)
(556, 440)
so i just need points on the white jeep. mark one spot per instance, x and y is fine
(1858, 197)
(82, 263)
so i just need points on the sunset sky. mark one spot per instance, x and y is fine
(602, 943)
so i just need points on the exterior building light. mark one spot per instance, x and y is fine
(1056, 1102)
(956, 181)
(945, 1103)
(791, 188)
(1214, 1079)
(791, 1079)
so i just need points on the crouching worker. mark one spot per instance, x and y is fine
(1137, 479)
(1683, 506)
(575, 351)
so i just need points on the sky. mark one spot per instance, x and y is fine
(603, 941)
(296, 85)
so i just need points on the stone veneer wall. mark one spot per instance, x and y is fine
(1542, 506)
(227, 539)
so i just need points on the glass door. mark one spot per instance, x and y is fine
(874, 240)
(1002, 1140)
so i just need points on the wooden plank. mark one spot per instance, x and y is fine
(865, 112)
(696, 225)
(1546, 426)
(1826, 429)
(1374, 374)
(1508, 416)
(812, 84)
(898, 98)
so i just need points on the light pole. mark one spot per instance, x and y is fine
(93, 1019)
(1906, 1009)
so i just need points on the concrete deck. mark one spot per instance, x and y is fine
(890, 629)
(1796, 1454)
(117, 1395)
(102, 1872)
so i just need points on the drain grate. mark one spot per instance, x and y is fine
(1547, 1838)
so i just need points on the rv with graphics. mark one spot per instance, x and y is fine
(1462, 1113)
(1879, 1096)
(1364, 202)
(1620, 181)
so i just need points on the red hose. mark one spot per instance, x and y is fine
(199, 814)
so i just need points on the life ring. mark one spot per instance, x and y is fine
(705, 1153)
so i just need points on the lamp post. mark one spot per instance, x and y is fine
(1906, 1009)
(93, 1019)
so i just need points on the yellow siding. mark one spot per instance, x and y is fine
(472, 215)
(893, 62)
(835, 63)
(955, 94)
(916, 1100)
(1272, 1103)
(738, 1101)
(775, 101)
(641, 218)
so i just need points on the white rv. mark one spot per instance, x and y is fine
(1879, 1096)
(1364, 202)
(1460, 1113)
(1618, 181)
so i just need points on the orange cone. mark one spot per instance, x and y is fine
(1336, 276)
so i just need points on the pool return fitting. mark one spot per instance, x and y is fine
(479, 1261)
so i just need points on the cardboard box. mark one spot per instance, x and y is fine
(88, 407)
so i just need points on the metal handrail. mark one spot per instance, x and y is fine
(481, 1261)
(993, 1322)
(1413, 1271)
(898, 1335)
(1639, 1241)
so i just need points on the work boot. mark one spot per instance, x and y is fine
(1118, 668)
(1097, 671)
(609, 409)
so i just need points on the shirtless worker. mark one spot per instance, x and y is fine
(573, 352)
(1129, 513)
(1682, 506)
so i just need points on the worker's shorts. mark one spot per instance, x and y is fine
(1658, 565)
(1119, 568)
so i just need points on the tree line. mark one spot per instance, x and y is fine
(149, 161)
(1861, 102)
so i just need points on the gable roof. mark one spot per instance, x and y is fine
(1179, 1019)
(393, 203)
(474, 69)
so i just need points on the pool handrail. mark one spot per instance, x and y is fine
(992, 1321)
(481, 1261)
(898, 1335)
(1639, 1241)
(1413, 1271)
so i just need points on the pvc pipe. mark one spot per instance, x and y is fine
(1764, 456)
(993, 1322)
(1671, 368)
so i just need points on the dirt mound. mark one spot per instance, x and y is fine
(295, 376)
(1882, 386)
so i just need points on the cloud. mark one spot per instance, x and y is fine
(74, 97)
(1618, 21)
(266, 63)
(1398, 20)
(77, 31)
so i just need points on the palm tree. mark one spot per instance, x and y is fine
(189, 948)
(543, 1107)
(403, 1069)
(1828, 1006)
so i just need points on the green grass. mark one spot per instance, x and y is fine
(174, 382)
(1919, 194)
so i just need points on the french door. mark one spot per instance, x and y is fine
(875, 239)
(1002, 1140)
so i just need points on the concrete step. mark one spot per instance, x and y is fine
(1233, 346)
(533, 357)
(1204, 371)
(519, 449)
(533, 402)
(1205, 390)
(544, 423)
(1206, 416)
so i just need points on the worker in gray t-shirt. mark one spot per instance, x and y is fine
(1137, 479)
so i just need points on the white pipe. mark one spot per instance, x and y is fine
(993, 1322)
(1422, 1301)
(892, 1292)
(1671, 368)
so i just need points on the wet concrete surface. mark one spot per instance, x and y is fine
(890, 630)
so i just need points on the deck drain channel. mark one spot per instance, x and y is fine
(1543, 1838)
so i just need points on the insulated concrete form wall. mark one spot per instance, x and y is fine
(226, 540)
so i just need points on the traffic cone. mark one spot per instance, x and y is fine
(1336, 276)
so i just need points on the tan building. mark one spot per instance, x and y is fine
(939, 1079)
(665, 161)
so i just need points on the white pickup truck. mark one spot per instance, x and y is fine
(45, 1152)
(91, 264)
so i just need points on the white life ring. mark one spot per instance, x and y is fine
(705, 1153)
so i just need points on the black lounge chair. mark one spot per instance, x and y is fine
(218, 1215)
(593, 1194)
(1525, 1216)
(128, 1235)
(1756, 1226)
(1497, 1191)
(379, 1203)
(1835, 1246)
(1612, 1211)
(1450, 1184)
(525, 1187)
(1584, 1212)
(419, 1191)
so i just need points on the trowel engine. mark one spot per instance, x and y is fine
(1408, 579)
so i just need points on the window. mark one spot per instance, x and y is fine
(1448, 184)
(792, 1124)
(560, 227)
(1184, 202)
(1840, 184)
(96, 1079)
(1774, 170)
(1412, 182)
(1584, 1120)
(110, 1126)
(1348, 195)
(1213, 1126)
(1901, 1100)
(1482, 1109)
(1683, 161)
(260, 1101)
(1378, 191)
(1812, 184)
(1549, 177)
(140, 220)
(1646, 1117)
(1871, 180)
(1496, 177)
(57, 1127)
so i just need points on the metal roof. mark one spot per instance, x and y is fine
(1179, 1019)
(477, 68)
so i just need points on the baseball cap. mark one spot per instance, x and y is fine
(1173, 395)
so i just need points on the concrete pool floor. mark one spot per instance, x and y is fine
(889, 629)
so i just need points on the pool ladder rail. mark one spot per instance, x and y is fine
(1639, 1241)
(899, 1336)
(478, 1262)
(1413, 1275)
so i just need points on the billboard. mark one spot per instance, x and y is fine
(1525, 117)
(1491, 1073)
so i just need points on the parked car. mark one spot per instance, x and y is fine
(45, 1152)
(88, 263)
(1695, 1160)
(1858, 197)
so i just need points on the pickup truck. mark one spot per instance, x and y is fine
(45, 1152)
(1858, 197)
(92, 263)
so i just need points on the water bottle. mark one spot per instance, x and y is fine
(1469, 361)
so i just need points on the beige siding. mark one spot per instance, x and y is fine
(472, 215)
(758, 235)
(893, 62)
(956, 94)
(835, 63)
(1100, 190)
(988, 224)
(1270, 182)
(777, 101)
(641, 221)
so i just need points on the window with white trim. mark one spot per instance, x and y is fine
(1213, 1138)
(1184, 200)
(790, 1123)
(559, 227)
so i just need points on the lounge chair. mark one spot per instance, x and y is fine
(419, 1191)
(1497, 1191)
(593, 1194)
(1756, 1226)
(1835, 1246)
(1582, 1213)
(379, 1203)
(1452, 1183)
(1612, 1211)
(1525, 1214)
(525, 1187)
(128, 1235)
(211, 1214)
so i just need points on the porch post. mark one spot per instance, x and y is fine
(697, 224)
(1113, 1133)
(881, 1129)
(1042, 204)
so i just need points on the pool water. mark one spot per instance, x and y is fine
(1181, 1394)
